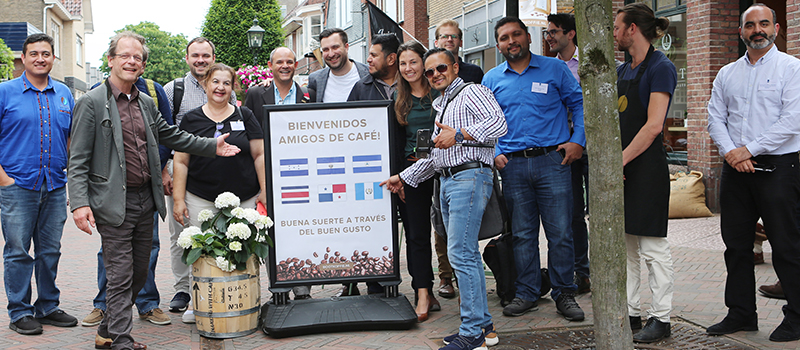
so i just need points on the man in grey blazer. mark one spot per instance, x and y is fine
(334, 82)
(114, 177)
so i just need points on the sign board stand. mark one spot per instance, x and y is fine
(323, 166)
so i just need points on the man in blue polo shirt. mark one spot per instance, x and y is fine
(535, 93)
(35, 121)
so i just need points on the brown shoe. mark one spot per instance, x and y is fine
(758, 258)
(446, 289)
(105, 343)
(156, 316)
(772, 291)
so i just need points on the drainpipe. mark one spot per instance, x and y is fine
(44, 17)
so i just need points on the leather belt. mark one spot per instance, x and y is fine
(533, 152)
(469, 165)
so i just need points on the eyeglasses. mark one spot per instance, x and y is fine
(552, 33)
(125, 57)
(218, 133)
(448, 36)
(440, 68)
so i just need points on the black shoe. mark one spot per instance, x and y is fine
(636, 322)
(786, 331)
(653, 331)
(348, 290)
(519, 307)
(26, 325)
(302, 297)
(584, 284)
(180, 302)
(730, 325)
(59, 318)
(568, 307)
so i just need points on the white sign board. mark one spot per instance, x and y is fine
(534, 12)
(333, 223)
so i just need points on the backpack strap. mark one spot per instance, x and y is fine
(177, 96)
(453, 95)
(151, 89)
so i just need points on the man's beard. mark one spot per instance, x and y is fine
(381, 73)
(758, 46)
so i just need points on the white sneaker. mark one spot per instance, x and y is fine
(188, 316)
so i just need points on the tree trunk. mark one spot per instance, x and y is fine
(594, 20)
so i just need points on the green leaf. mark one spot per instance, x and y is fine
(219, 252)
(227, 212)
(221, 225)
(206, 225)
(193, 255)
(261, 251)
(241, 256)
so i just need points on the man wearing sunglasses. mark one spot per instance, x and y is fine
(536, 94)
(473, 118)
(560, 36)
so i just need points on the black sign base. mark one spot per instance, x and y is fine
(335, 314)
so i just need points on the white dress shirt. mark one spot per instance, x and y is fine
(757, 105)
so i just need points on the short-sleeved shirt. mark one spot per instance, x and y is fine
(660, 76)
(208, 177)
(34, 128)
(338, 87)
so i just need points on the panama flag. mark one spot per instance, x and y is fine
(367, 164)
(332, 193)
(330, 165)
(369, 191)
(294, 167)
(294, 194)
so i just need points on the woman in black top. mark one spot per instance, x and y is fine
(413, 105)
(199, 180)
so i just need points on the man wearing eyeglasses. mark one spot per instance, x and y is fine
(114, 177)
(35, 117)
(473, 118)
(560, 35)
(536, 94)
(448, 37)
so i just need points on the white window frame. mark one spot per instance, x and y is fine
(310, 36)
(345, 15)
(55, 33)
(79, 50)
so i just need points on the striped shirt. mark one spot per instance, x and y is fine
(475, 110)
(194, 95)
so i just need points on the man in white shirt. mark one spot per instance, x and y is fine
(754, 119)
(334, 82)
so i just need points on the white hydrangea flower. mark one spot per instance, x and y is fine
(238, 230)
(185, 239)
(261, 238)
(226, 200)
(263, 222)
(235, 246)
(224, 264)
(251, 215)
(238, 213)
(205, 215)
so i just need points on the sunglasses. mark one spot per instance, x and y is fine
(440, 68)
(218, 133)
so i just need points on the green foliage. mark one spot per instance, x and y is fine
(167, 52)
(6, 62)
(227, 23)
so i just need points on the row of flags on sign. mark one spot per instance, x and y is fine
(301, 194)
(331, 165)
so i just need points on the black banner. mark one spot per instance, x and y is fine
(380, 23)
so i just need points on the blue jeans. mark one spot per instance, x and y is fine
(534, 188)
(32, 216)
(148, 298)
(463, 199)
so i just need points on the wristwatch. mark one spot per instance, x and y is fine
(459, 136)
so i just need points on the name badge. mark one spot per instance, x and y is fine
(237, 125)
(540, 88)
(767, 86)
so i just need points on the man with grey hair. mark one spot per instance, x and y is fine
(754, 119)
(114, 155)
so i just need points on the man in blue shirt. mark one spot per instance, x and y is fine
(534, 157)
(148, 299)
(35, 121)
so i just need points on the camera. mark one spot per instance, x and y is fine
(424, 143)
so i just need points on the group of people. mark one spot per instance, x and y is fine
(129, 142)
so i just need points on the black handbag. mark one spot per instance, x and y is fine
(495, 219)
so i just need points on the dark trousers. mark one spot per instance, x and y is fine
(127, 255)
(774, 197)
(580, 234)
(416, 215)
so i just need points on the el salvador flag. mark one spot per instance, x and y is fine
(330, 165)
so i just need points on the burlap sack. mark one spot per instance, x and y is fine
(687, 196)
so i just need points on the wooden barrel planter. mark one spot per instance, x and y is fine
(226, 304)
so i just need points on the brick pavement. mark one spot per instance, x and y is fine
(699, 272)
